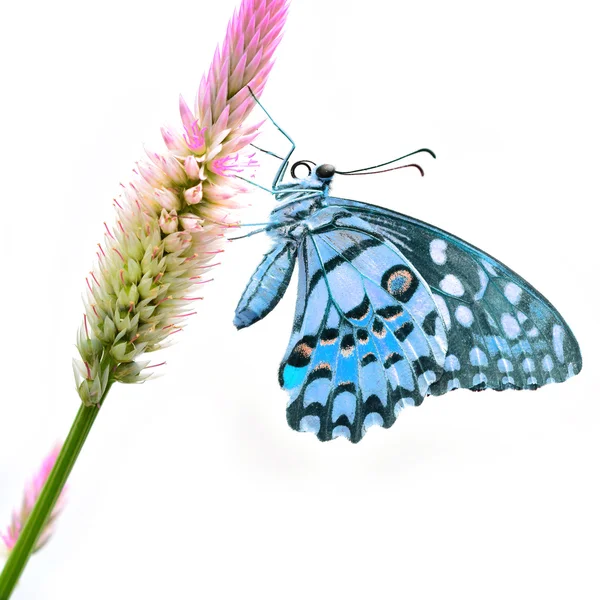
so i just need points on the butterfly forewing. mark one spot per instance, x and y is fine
(502, 333)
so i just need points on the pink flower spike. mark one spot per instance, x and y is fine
(30, 496)
(172, 216)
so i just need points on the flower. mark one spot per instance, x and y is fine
(170, 217)
(32, 492)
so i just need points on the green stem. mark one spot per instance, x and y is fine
(34, 525)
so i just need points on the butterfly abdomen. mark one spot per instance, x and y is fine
(268, 284)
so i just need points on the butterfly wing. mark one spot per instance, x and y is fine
(502, 333)
(368, 338)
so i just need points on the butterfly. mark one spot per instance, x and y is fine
(391, 309)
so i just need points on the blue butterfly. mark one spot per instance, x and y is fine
(391, 309)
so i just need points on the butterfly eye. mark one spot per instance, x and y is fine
(325, 171)
(302, 163)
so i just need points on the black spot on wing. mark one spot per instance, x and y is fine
(404, 331)
(347, 345)
(300, 355)
(378, 328)
(374, 404)
(390, 312)
(321, 371)
(329, 335)
(429, 323)
(348, 386)
(344, 421)
(361, 311)
(424, 364)
(367, 359)
(391, 359)
(400, 282)
(396, 394)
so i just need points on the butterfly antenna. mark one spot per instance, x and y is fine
(386, 170)
(389, 162)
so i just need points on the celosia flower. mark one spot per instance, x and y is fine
(32, 491)
(170, 218)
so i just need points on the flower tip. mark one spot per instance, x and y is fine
(30, 495)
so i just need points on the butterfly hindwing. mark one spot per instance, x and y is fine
(502, 333)
(368, 338)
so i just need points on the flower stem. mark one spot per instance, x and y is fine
(28, 537)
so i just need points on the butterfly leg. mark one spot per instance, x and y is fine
(285, 161)
(267, 152)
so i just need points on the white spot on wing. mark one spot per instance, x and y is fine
(372, 419)
(558, 337)
(513, 292)
(340, 431)
(452, 363)
(464, 315)
(424, 381)
(442, 309)
(479, 378)
(437, 251)
(483, 280)
(452, 285)
(310, 423)
(528, 365)
(344, 404)
(510, 326)
(453, 384)
(504, 366)
(548, 363)
(478, 357)
(488, 267)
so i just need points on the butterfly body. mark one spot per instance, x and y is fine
(391, 310)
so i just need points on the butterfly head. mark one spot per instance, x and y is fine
(320, 174)
(325, 172)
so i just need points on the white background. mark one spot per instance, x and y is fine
(193, 486)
